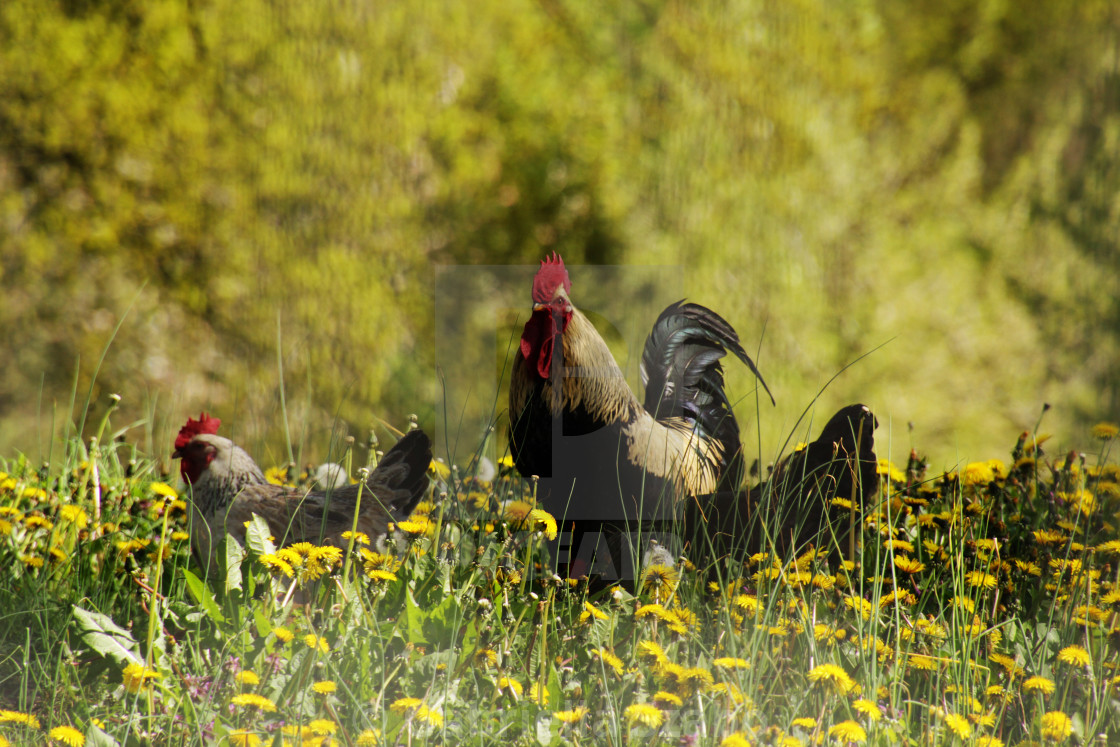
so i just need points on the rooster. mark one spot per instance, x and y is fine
(601, 454)
(796, 502)
(227, 488)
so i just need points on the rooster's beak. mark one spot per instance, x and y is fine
(539, 306)
(177, 454)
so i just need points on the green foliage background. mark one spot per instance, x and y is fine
(262, 190)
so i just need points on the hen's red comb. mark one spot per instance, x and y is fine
(204, 424)
(551, 275)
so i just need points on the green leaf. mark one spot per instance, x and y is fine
(260, 617)
(415, 618)
(444, 620)
(104, 636)
(234, 554)
(97, 738)
(258, 535)
(202, 594)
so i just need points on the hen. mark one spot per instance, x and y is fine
(796, 503)
(227, 488)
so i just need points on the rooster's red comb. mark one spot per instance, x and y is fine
(204, 424)
(551, 274)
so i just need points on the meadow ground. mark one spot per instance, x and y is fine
(980, 609)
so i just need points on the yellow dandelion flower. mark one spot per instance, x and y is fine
(1039, 684)
(570, 717)
(1112, 546)
(135, 676)
(833, 676)
(590, 610)
(727, 662)
(323, 727)
(987, 740)
(68, 735)
(180, 536)
(423, 508)
(513, 687)
(16, 717)
(485, 657)
(243, 739)
(402, 706)
(1028, 567)
(360, 538)
(276, 475)
(433, 717)
(1009, 664)
(867, 708)
(324, 687)
(662, 699)
(804, 722)
(660, 581)
(747, 603)
(273, 562)
(252, 700)
(964, 603)
(897, 545)
(1074, 656)
(1056, 726)
(421, 525)
(73, 515)
(685, 618)
(646, 714)
(982, 579)
(1106, 431)
(908, 564)
(1048, 536)
(369, 738)
(538, 694)
(283, 634)
(921, 661)
(693, 679)
(316, 642)
(439, 469)
(164, 490)
(824, 581)
(31, 561)
(861, 605)
(736, 739)
(959, 725)
(978, 473)
(886, 467)
(651, 652)
(247, 677)
(328, 555)
(847, 731)
(539, 520)
(295, 555)
(609, 659)
(373, 561)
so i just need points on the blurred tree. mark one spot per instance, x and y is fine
(258, 192)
